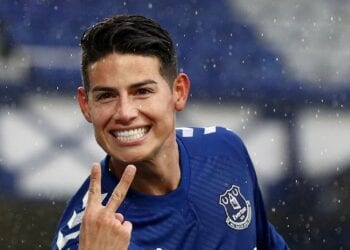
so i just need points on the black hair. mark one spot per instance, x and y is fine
(128, 34)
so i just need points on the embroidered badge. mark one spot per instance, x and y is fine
(237, 208)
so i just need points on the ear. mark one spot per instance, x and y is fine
(82, 97)
(181, 89)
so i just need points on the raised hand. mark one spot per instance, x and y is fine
(102, 228)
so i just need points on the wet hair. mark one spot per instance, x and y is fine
(128, 34)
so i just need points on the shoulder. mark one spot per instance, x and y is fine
(205, 132)
(69, 225)
(210, 140)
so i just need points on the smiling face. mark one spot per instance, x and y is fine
(132, 107)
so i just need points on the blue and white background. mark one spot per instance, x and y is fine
(275, 72)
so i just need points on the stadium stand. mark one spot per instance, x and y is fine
(240, 62)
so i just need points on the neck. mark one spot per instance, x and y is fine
(156, 176)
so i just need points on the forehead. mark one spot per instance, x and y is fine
(125, 63)
(122, 70)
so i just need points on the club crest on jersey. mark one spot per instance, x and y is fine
(237, 208)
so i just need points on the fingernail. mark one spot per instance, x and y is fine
(131, 169)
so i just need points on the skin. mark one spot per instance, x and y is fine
(128, 92)
(102, 227)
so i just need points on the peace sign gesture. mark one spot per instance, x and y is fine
(102, 227)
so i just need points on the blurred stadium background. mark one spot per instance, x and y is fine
(275, 72)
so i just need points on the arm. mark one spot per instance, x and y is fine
(267, 236)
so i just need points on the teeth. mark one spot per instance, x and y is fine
(132, 134)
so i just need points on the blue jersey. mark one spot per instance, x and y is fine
(217, 205)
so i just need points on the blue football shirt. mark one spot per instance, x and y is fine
(217, 205)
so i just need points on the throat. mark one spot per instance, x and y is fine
(154, 184)
(157, 174)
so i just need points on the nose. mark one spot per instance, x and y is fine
(126, 111)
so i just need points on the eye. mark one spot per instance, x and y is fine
(104, 96)
(143, 91)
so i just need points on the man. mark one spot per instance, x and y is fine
(157, 188)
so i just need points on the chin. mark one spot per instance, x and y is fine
(129, 159)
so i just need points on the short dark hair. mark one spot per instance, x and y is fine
(128, 34)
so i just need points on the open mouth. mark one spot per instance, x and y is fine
(127, 135)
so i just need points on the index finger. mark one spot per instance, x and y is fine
(122, 188)
(94, 196)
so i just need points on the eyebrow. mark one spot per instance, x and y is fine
(132, 86)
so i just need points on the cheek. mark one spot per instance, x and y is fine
(163, 112)
(101, 116)
(159, 108)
